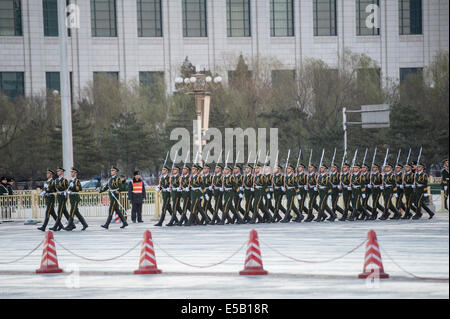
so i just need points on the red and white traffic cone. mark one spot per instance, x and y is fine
(373, 265)
(253, 262)
(147, 263)
(116, 218)
(49, 263)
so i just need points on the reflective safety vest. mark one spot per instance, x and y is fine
(137, 187)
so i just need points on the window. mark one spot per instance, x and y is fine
(361, 16)
(281, 77)
(149, 18)
(50, 13)
(410, 16)
(282, 18)
(194, 18)
(236, 80)
(324, 17)
(52, 81)
(10, 18)
(103, 18)
(113, 75)
(150, 78)
(405, 72)
(11, 84)
(238, 18)
(369, 77)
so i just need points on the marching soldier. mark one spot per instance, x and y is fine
(175, 195)
(61, 185)
(74, 198)
(228, 197)
(291, 191)
(444, 182)
(260, 192)
(269, 193)
(376, 184)
(398, 172)
(313, 192)
(388, 192)
(302, 186)
(408, 182)
(238, 192)
(164, 188)
(365, 174)
(197, 192)
(218, 194)
(185, 195)
(421, 185)
(48, 194)
(113, 186)
(346, 190)
(335, 180)
(358, 194)
(324, 186)
(248, 191)
(207, 181)
(279, 190)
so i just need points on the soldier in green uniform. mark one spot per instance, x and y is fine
(291, 187)
(185, 195)
(218, 194)
(228, 196)
(376, 184)
(49, 194)
(197, 195)
(389, 189)
(399, 194)
(61, 185)
(302, 187)
(10, 183)
(346, 190)
(444, 182)
(164, 188)
(207, 180)
(260, 192)
(313, 192)
(113, 187)
(358, 193)
(324, 187)
(123, 188)
(365, 174)
(408, 182)
(238, 191)
(175, 195)
(248, 192)
(279, 190)
(74, 197)
(335, 180)
(421, 186)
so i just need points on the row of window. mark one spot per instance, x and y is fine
(194, 15)
(12, 83)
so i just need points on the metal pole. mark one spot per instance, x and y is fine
(66, 107)
(344, 124)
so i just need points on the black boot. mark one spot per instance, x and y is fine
(299, 218)
(287, 218)
(108, 221)
(385, 215)
(344, 217)
(44, 225)
(332, 217)
(310, 217)
(161, 220)
(353, 216)
(123, 219)
(70, 226)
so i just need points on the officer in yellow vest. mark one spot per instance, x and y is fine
(136, 195)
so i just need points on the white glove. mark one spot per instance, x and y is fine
(283, 188)
(210, 188)
(98, 189)
(426, 195)
(45, 185)
(221, 189)
(369, 186)
(402, 187)
(268, 196)
(363, 195)
(340, 187)
(71, 184)
(305, 187)
(381, 187)
(186, 189)
(252, 189)
(69, 192)
(414, 186)
(206, 196)
(315, 189)
(178, 189)
(299, 197)
(240, 195)
(42, 193)
(445, 188)
(395, 195)
(158, 189)
(349, 188)
(271, 189)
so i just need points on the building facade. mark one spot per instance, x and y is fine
(137, 39)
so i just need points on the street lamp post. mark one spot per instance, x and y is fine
(198, 85)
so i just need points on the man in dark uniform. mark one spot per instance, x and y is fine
(346, 190)
(197, 195)
(61, 185)
(164, 188)
(376, 183)
(279, 189)
(4, 192)
(302, 187)
(74, 197)
(185, 195)
(389, 189)
(228, 197)
(207, 181)
(137, 195)
(238, 191)
(260, 185)
(335, 180)
(408, 182)
(313, 192)
(399, 194)
(10, 183)
(218, 194)
(367, 191)
(324, 187)
(358, 194)
(175, 195)
(444, 182)
(113, 187)
(248, 191)
(421, 191)
(269, 193)
(49, 194)
(291, 192)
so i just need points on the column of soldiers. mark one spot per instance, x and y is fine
(253, 194)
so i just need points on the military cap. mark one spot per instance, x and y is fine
(279, 166)
(229, 167)
(388, 164)
(187, 166)
(365, 166)
(259, 165)
(301, 165)
(123, 176)
(164, 167)
(357, 165)
(50, 171)
(346, 164)
(219, 165)
(74, 170)
(10, 179)
(399, 165)
(376, 165)
(198, 166)
(207, 166)
(444, 161)
(291, 166)
(421, 164)
(413, 163)
(113, 168)
(176, 167)
(407, 165)
(312, 165)
(249, 165)
(238, 166)
(324, 165)
(334, 165)
(3, 178)
(60, 169)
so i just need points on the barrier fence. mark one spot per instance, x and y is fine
(30, 205)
